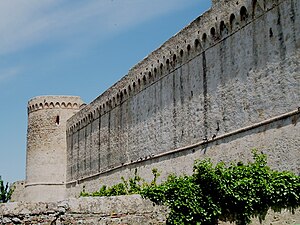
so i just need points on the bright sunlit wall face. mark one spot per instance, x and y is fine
(46, 146)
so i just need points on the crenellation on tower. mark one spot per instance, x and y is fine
(49, 102)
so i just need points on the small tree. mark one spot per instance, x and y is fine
(5, 192)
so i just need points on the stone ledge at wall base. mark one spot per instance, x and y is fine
(132, 210)
(129, 210)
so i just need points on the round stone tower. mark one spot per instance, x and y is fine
(46, 146)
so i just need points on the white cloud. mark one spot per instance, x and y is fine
(25, 23)
(9, 73)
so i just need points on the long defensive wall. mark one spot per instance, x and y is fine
(226, 83)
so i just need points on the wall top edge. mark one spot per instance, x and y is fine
(55, 101)
(197, 36)
(59, 98)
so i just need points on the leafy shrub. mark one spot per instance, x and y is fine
(237, 192)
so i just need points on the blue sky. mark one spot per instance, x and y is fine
(64, 47)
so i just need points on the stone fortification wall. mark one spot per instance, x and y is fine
(46, 146)
(131, 210)
(123, 210)
(227, 82)
(18, 193)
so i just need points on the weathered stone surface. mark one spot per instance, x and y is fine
(18, 193)
(130, 210)
(234, 67)
(98, 210)
(46, 146)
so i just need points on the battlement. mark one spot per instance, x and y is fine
(49, 102)
(223, 20)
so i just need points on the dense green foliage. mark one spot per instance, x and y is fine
(5, 192)
(132, 186)
(236, 192)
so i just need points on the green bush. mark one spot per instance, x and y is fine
(237, 192)
(132, 186)
(234, 193)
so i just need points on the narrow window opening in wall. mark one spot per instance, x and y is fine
(232, 19)
(181, 52)
(222, 26)
(270, 33)
(57, 120)
(174, 57)
(204, 36)
(197, 42)
(256, 9)
(188, 48)
(254, 2)
(243, 13)
(213, 32)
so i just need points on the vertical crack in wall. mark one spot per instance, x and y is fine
(181, 102)
(205, 101)
(99, 144)
(155, 120)
(293, 20)
(121, 139)
(189, 119)
(71, 162)
(90, 147)
(160, 115)
(174, 112)
(77, 175)
(84, 156)
(222, 106)
(108, 141)
(282, 49)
